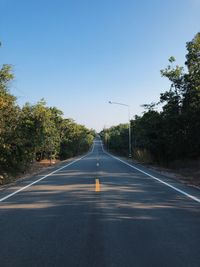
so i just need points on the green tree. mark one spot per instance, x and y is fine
(174, 132)
(9, 113)
(75, 139)
(116, 138)
(42, 122)
(191, 103)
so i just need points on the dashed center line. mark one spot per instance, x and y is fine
(97, 185)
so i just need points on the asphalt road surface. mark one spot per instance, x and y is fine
(133, 217)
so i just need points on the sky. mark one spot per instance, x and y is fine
(80, 54)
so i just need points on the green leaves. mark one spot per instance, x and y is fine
(75, 138)
(35, 131)
(174, 131)
(116, 138)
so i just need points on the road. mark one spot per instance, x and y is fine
(134, 220)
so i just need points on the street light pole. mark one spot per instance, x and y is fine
(129, 130)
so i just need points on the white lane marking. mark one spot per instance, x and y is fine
(155, 178)
(25, 187)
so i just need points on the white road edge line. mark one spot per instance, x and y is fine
(42, 178)
(155, 178)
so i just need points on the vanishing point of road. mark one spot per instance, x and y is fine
(99, 211)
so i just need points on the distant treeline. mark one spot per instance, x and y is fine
(35, 132)
(174, 132)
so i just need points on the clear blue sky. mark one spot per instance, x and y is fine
(79, 54)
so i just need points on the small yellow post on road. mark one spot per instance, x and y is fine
(97, 185)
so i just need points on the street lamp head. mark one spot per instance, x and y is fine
(110, 102)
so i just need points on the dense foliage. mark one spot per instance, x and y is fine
(116, 138)
(174, 132)
(34, 132)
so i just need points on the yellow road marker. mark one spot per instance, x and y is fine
(97, 185)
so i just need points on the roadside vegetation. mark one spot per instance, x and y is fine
(34, 132)
(170, 129)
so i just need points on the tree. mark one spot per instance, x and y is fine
(75, 138)
(191, 103)
(35, 131)
(117, 138)
(174, 132)
(9, 112)
(42, 122)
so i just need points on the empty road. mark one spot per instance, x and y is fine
(134, 218)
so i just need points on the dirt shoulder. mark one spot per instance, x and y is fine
(184, 171)
(187, 172)
(35, 169)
